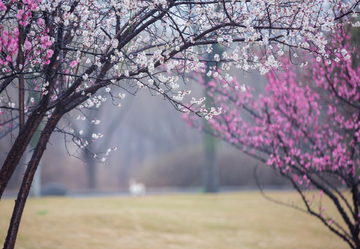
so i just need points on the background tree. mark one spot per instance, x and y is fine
(307, 128)
(65, 51)
(210, 171)
(92, 127)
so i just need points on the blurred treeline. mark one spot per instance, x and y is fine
(155, 146)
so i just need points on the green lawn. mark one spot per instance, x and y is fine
(242, 220)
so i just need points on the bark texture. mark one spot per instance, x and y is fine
(28, 178)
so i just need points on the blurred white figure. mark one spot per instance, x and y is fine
(136, 188)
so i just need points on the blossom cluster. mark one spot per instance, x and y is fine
(95, 33)
(306, 125)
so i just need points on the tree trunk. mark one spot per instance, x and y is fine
(210, 169)
(210, 172)
(20, 63)
(28, 177)
(91, 171)
(18, 149)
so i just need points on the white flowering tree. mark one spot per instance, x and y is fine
(55, 55)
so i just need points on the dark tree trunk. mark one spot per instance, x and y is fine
(18, 149)
(27, 180)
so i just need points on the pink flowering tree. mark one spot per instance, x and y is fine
(306, 127)
(56, 56)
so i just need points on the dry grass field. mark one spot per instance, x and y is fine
(243, 220)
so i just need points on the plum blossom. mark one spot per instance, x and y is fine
(306, 127)
(63, 53)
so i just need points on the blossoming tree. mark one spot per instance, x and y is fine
(307, 128)
(55, 56)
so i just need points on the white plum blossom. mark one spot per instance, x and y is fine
(243, 88)
(95, 121)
